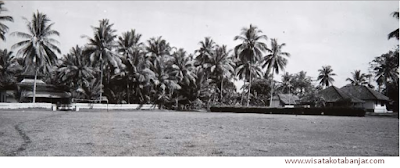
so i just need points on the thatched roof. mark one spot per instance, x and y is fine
(288, 98)
(333, 94)
(363, 93)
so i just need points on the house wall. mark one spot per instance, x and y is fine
(275, 103)
(375, 106)
(369, 105)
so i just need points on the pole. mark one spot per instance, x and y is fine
(34, 86)
(101, 78)
(248, 94)
(272, 89)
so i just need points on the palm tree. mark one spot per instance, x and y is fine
(75, 70)
(275, 61)
(287, 83)
(181, 67)
(386, 68)
(395, 33)
(302, 83)
(140, 75)
(158, 48)
(163, 81)
(130, 46)
(221, 65)
(325, 76)
(9, 68)
(101, 49)
(205, 52)
(129, 42)
(3, 27)
(250, 50)
(244, 70)
(358, 78)
(38, 48)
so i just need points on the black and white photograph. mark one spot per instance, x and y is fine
(200, 79)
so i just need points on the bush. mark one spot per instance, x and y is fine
(334, 111)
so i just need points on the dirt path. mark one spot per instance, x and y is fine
(22, 134)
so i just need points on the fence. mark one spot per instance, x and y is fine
(77, 106)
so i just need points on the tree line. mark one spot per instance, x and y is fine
(125, 69)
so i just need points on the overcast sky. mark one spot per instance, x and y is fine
(345, 35)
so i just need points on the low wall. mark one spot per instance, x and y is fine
(336, 111)
(114, 106)
(79, 106)
(25, 105)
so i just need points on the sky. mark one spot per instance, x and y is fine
(344, 35)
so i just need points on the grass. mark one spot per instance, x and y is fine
(168, 133)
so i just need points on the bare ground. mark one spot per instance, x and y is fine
(167, 133)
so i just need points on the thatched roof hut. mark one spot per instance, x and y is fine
(363, 93)
(333, 94)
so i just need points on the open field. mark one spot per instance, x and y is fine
(166, 133)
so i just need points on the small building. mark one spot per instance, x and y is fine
(44, 92)
(334, 97)
(374, 101)
(284, 100)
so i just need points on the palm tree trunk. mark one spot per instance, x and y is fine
(127, 90)
(386, 87)
(34, 86)
(222, 82)
(241, 100)
(177, 100)
(101, 78)
(272, 89)
(248, 94)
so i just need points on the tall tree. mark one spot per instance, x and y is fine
(164, 82)
(139, 75)
(101, 50)
(221, 66)
(325, 76)
(244, 70)
(38, 47)
(205, 52)
(358, 78)
(130, 46)
(9, 68)
(287, 83)
(275, 60)
(302, 83)
(395, 33)
(129, 42)
(250, 50)
(158, 48)
(181, 67)
(386, 68)
(3, 27)
(76, 71)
